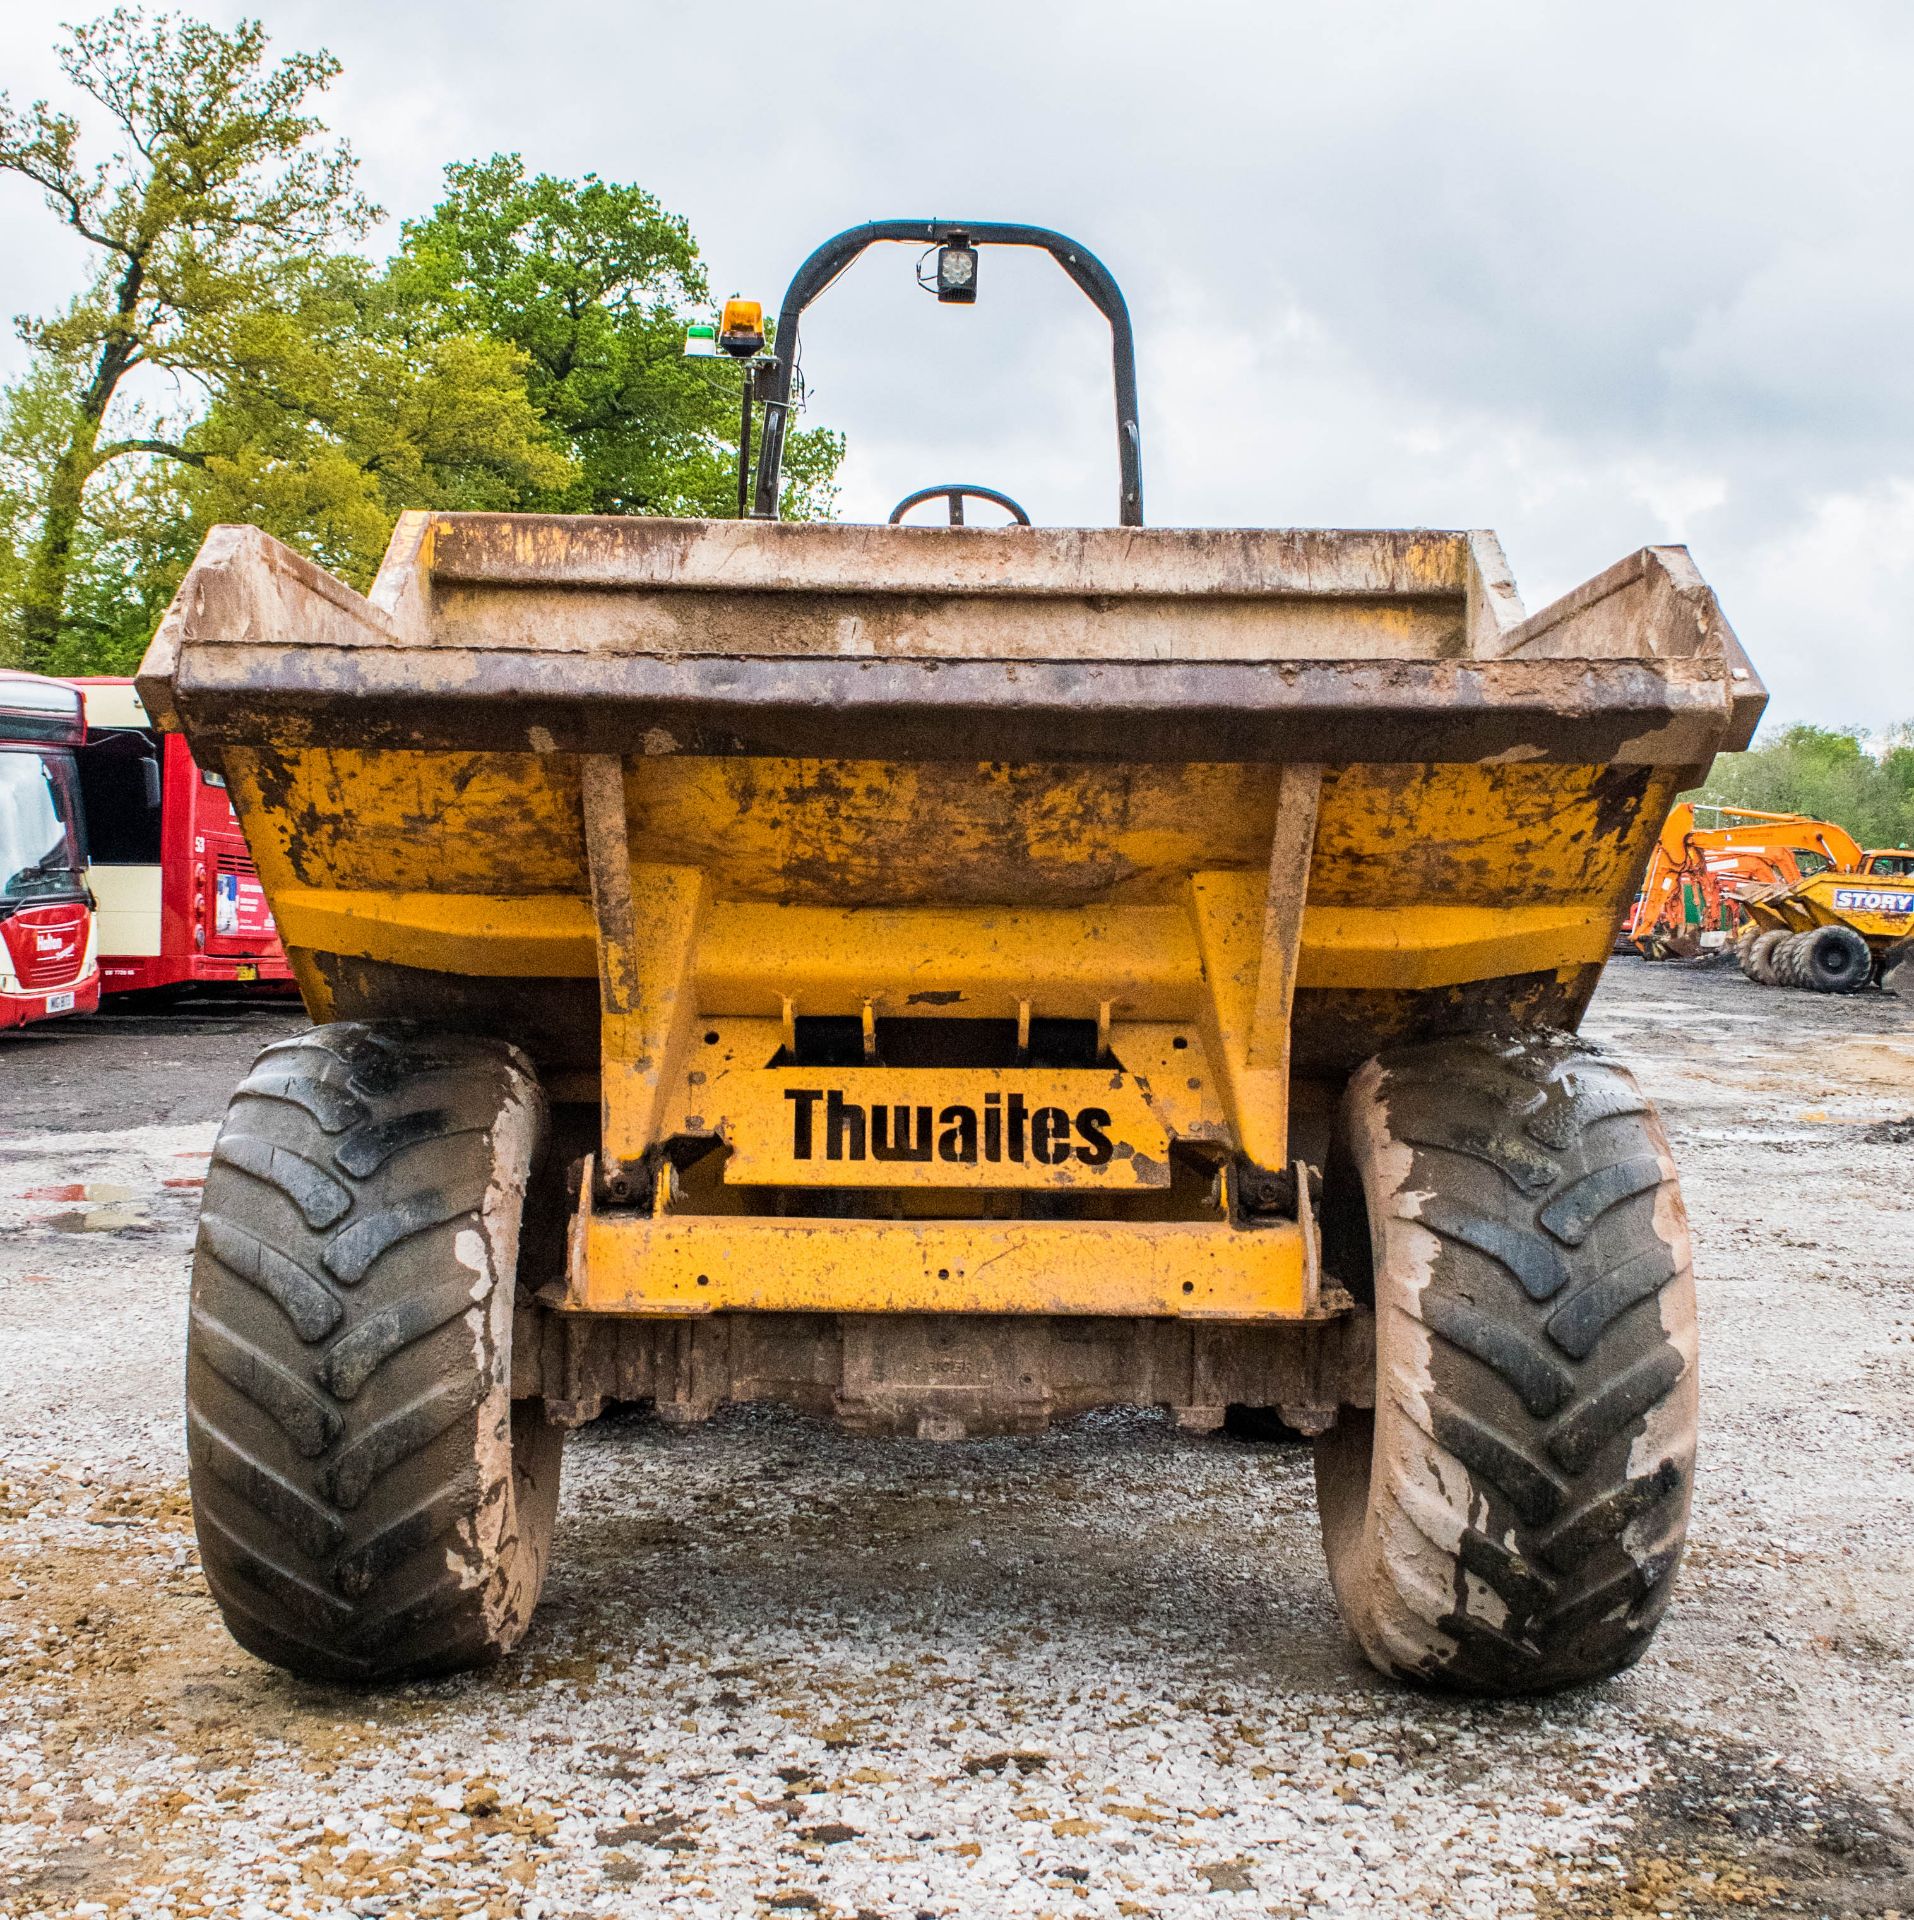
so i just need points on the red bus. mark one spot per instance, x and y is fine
(47, 963)
(180, 902)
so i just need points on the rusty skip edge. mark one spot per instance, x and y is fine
(260, 645)
(835, 557)
(1573, 712)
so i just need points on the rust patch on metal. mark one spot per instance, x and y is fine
(972, 1374)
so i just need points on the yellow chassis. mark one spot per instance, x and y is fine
(694, 1265)
(1234, 974)
(1197, 793)
(1192, 994)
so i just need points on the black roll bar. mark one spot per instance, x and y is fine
(773, 382)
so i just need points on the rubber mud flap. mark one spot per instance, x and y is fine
(1510, 1517)
(370, 1503)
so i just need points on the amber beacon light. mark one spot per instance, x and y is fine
(741, 330)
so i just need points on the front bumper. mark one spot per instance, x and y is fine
(624, 1261)
(21, 1006)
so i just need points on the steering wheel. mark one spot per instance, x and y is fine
(955, 492)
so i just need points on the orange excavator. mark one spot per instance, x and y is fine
(1690, 900)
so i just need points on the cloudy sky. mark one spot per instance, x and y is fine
(1593, 276)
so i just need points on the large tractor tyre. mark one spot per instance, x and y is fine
(1791, 959)
(1836, 960)
(1761, 956)
(1509, 1518)
(370, 1504)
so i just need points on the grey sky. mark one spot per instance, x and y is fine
(1591, 276)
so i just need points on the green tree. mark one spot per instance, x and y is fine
(36, 422)
(521, 351)
(331, 418)
(215, 187)
(1828, 773)
(348, 405)
(592, 282)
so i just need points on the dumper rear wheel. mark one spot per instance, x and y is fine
(1510, 1517)
(1836, 960)
(370, 1505)
(1761, 957)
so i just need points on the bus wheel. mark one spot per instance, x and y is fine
(370, 1504)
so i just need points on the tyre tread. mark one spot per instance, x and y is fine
(338, 1436)
(1543, 1310)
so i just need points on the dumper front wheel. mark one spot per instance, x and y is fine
(369, 1503)
(1509, 1518)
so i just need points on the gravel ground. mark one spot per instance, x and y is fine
(779, 1670)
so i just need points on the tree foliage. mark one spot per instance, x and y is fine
(350, 405)
(330, 418)
(591, 281)
(227, 359)
(216, 181)
(1830, 774)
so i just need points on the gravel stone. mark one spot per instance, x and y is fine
(783, 1670)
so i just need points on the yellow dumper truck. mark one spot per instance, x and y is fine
(944, 979)
(1833, 931)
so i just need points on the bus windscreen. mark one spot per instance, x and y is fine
(41, 853)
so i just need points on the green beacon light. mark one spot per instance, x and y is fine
(701, 342)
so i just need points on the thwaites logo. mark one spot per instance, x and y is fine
(1004, 1129)
(60, 943)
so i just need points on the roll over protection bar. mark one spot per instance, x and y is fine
(774, 381)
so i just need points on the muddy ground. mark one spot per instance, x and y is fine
(779, 1670)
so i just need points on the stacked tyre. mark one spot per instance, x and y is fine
(1823, 959)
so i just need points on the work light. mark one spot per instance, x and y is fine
(957, 270)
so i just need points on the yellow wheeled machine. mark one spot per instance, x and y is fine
(944, 979)
(1836, 931)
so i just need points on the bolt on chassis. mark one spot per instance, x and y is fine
(944, 979)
